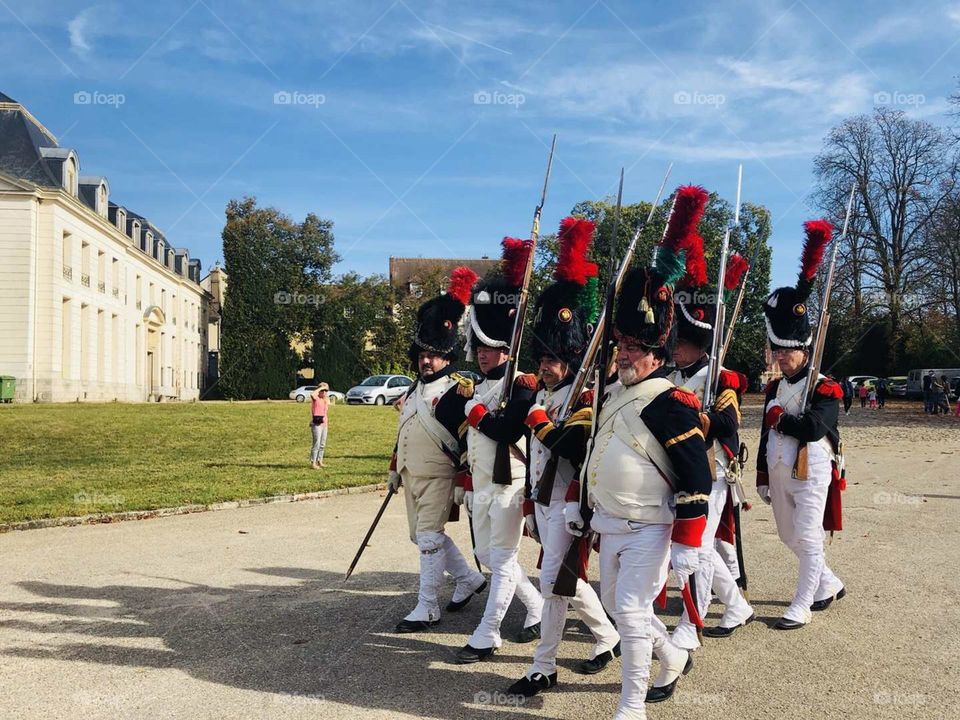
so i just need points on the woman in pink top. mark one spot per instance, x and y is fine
(318, 424)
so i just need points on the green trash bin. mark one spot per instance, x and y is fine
(8, 384)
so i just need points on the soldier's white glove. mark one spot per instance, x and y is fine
(468, 501)
(764, 492)
(393, 481)
(531, 523)
(684, 558)
(458, 493)
(572, 519)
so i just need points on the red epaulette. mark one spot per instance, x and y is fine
(527, 381)
(586, 398)
(730, 379)
(687, 397)
(829, 388)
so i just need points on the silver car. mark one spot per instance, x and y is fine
(378, 390)
(302, 394)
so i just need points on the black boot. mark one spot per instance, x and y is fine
(598, 663)
(469, 654)
(414, 626)
(461, 604)
(819, 605)
(533, 685)
(659, 694)
(528, 634)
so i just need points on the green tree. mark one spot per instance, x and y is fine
(276, 269)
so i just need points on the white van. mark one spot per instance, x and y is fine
(915, 379)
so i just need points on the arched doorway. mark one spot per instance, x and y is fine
(154, 321)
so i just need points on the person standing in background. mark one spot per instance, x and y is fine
(847, 387)
(862, 392)
(319, 407)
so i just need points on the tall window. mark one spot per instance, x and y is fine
(101, 347)
(67, 255)
(121, 221)
(84, 342)
(85, 264)
(70, 176)
(139, 292)
(66, 331)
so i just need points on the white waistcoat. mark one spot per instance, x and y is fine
(481, 450)
(622, 481)
(781, 448)
(539, 453)
(417, 451)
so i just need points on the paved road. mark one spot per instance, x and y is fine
(244, 614)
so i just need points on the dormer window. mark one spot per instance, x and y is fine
(102, 200)
(122, 221)
(148, 243)
(135, 233)
(70, 176)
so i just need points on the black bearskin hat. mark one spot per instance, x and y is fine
(438, 319)
(496, 298)
(566, 310)
(788, 321)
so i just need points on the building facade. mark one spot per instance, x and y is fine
(95, 303)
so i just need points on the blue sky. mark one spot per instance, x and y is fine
(421, 128)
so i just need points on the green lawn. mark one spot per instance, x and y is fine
(141, 457)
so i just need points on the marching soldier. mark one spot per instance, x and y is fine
(563, 320)
(648, 479)
(428, 453)
(496, 503)
(696, 311)
(799, 459)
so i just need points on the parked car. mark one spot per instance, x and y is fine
(897, 386)
(378, 390)
(867, 380)
(302, 394)
(955, 388)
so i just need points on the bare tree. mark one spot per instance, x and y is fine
(904, 171)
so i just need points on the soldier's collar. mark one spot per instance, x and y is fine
(690, 370)
(497, 372)
(427, 379)
(801, 374)
(560, 385)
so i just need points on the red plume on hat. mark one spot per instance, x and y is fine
(514, 263)
(574, 239)
(462, 280)
(681, 238)
(737, 265)
(818, 233)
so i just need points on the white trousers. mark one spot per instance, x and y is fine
(798, 507)
(728, 553)
(713, 575)
(556, 541)
(633, 568)
(497, 528)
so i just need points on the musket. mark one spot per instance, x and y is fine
(548, 477)
(366, 538)
(502, 474)
(816, 359)
(713, 364)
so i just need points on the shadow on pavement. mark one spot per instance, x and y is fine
(313, 640)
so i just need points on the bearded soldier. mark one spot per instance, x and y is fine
(563, 319)
(496, 503)
(798, 465)
(647, 477)
(428, 453)
(696, 311)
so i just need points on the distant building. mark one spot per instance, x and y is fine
(95, 303)
(410, 274)
(215, 283)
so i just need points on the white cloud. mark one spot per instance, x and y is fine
(953, 13)
(78, 27)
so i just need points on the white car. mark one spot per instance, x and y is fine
(302, 394)
(378, 390)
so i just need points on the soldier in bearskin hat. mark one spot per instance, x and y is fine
(648, 480)
(563, 321)
(496, 508)
(696, 312)
(804, 491)
(428, 453)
